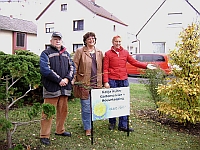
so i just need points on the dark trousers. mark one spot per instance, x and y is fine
(115, 84)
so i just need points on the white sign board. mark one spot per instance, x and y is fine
(109, 103)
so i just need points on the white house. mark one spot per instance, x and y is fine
(161, 31)
(73, 18)
(17, 34)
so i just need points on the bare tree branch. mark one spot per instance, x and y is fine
(21, 96)
(23, 123)
(13, 83)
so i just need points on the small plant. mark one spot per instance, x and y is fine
(48, 110)
(155, 77)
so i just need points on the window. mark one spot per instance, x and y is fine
(49, 27)
(63, 7)
(150, 58)
(159, 58)
(20, 41)
(78, 25)
(158, 47)
(144, 58)
(75, 46)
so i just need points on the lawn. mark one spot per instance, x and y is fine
(147, 135)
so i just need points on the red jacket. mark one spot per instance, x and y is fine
(114, 64)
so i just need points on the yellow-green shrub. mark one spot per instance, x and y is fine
(183, 91)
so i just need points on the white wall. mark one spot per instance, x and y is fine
(157, 30)
(6, 44)
(32, 43)
(103, 28)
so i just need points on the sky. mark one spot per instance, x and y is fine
(28, 10)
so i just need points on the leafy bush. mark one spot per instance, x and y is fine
(19, 75)
(183, 91)
(22, 67)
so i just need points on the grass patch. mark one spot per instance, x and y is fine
(147, 135)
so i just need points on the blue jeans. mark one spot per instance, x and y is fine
(86, 113)
(122, 119)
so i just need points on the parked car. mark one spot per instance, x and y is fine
(160, 60)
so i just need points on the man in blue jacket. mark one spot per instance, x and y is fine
(57, 70)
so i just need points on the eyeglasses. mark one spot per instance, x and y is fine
(89, 39)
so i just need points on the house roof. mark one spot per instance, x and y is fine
(193, 7)
(14, 24)
(100, 11)
(94, 8)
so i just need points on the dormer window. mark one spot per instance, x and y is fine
(63, 7)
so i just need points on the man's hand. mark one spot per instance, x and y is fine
(64, 82)
(106, 85)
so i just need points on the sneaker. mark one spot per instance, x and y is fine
(111, 126)
(125, 129)
(45, 141)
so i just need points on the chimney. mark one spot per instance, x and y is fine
(11, 16)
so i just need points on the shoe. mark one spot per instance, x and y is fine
(88, 132)
(125, 129)
(45, 141)
(64, 134)
(111, 126)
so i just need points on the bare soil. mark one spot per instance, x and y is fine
(193, 129)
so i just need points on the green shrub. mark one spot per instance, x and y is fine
(155, 77)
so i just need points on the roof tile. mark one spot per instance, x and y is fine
(100, 11)
(14, 24)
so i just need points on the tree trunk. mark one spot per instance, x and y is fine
(9, 139)
(9, 135)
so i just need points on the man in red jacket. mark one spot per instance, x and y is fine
(115, 74)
